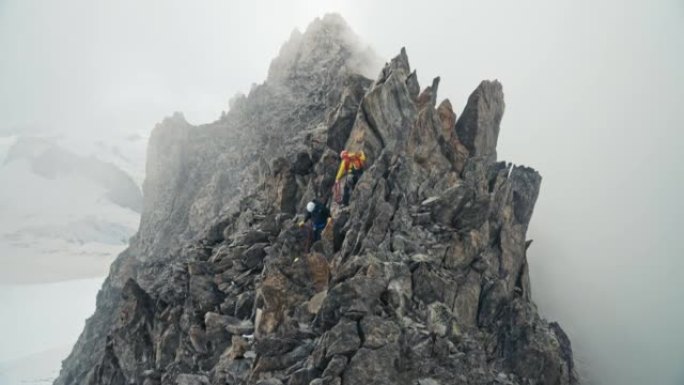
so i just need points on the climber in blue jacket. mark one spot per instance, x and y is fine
(319, 214)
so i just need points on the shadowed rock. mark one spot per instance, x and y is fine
(478, 126)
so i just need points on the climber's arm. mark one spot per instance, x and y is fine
(340, 171)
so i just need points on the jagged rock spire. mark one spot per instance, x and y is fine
(478, 126)
(328, 49)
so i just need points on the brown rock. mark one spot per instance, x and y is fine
(238, 347)
(319, 270)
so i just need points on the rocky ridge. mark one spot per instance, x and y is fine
(423, 279)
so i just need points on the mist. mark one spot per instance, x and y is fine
(593, 94)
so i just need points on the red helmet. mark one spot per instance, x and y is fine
(344, 154)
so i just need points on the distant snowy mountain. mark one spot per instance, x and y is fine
(53, 162)
(68, 206)
(35, 369)
(46, 320)
(5, 144)
(124, 150)
(64, 215)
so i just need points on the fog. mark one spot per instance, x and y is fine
(593, 98)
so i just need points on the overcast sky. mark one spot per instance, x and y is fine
(594, 93)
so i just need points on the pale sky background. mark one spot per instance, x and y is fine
(594, 93)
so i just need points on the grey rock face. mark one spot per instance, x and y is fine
(422, 279)
(478, 126)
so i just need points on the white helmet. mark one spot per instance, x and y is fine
(310, 207)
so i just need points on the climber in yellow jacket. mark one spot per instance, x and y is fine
(351, 166)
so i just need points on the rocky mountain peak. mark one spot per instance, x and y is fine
(326, 51)
(421, 279)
